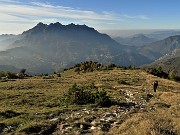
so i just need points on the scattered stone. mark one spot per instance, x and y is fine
(63, 126)
(88, 112)
(102, 120)
(95, 123)
(54, 119)
(9, 129)
(110, 120)
(93, 127)
(109, 115)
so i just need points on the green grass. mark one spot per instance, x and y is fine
(30, 105)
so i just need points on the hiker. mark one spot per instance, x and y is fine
(155, 85)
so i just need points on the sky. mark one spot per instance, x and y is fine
(17, 16)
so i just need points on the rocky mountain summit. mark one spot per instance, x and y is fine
(48, 48)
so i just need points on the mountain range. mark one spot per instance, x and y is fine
(162, 34)
(48, 48)
(160, 48)
(135, 40)
(169, 62)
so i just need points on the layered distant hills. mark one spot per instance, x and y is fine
(48, 48)
(135, 40)
(160, 48)
(169, 62)
(165, 53)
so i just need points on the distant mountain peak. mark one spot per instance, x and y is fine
(135, 40)
(57, 27)
(138, 35)
(40, 24)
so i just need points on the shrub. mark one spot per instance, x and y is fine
(102, 99)
(87, 95)
(11, 75)
(158, 72)
(77, 95)
(172, 76)
(23, 71)
(90, 66)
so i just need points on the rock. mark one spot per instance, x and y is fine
(102, 120)
(88, 112)
(84, 109)
(69, 128)
(54, 119)
(118, 122)
(110, 120)
(109, 115)
(92, 128)
(9, 129)
(94, 123)
(63, 126)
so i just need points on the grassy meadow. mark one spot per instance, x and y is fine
(37, 105)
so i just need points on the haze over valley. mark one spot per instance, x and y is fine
(52, 47)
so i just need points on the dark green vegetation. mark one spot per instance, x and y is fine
(160, 73)
(90, 66)
(114, 101)
(88, 95)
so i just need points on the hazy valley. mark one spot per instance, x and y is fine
(51, 48)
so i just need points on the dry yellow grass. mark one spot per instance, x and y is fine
(36, 99)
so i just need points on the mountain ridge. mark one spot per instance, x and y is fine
(160, 48)
(49, 48)
(137, 40)
(169, 62)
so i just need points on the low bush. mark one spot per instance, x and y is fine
(158, 72)
(87, 95)
(102, 99)
(9, 75)
(77, 95)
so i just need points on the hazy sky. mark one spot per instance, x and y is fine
(19, 15)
